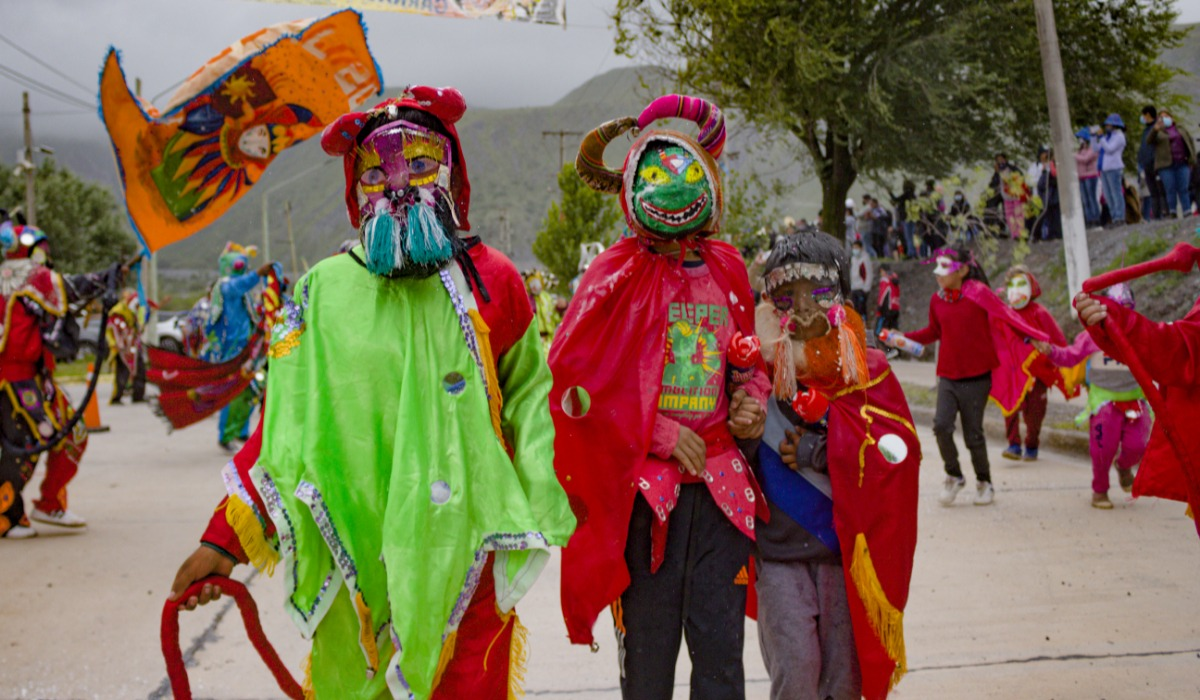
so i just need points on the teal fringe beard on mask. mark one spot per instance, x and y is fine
(382, 243)
(427, 241)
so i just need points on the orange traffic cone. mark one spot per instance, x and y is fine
(91, 412)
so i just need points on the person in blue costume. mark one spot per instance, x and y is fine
(232, 318)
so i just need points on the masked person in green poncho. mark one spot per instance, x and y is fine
(403, 472)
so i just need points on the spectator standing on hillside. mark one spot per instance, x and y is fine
(1089, 176)
(1111, 145)
(1050, 227)
(1174, 155)
(907, 225)
(1154, 206)
(1008, 182)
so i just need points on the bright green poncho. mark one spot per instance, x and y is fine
(381, 470)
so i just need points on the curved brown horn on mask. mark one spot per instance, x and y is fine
(590, 161)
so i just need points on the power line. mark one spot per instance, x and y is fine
(38, 86)
(47, 66)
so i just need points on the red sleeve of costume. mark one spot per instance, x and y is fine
(1171, 351)
(508, 314)
(219, 531)
(221, 534)
(929, 333)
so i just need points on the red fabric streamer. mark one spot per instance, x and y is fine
(176, 668)
(191, 389)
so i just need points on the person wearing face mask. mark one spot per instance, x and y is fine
(651, 391)
(1174, 156)
(1086, 158)
(403, 470)
(1111, 145)
(838, 446)
(977, 357)
(1021, 291)
(1154, 204)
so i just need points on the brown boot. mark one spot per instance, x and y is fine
(1125, 477)
(1100, 500)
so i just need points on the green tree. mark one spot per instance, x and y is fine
(582, 216)
(915, 87)
(82, 220)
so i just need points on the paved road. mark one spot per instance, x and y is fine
(1038, 596)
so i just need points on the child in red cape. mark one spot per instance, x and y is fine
(839, 464)
(1022, 291)
(646, 409)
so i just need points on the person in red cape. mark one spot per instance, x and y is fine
(983, 355)
(1165, 359)
(485, 659)
(839, 464)
(1022, 291)
(646, 408)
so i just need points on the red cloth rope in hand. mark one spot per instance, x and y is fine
(176, 669)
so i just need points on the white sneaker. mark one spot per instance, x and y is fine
(19, 532)
(951, 488)
(984, 494)
(59, 518)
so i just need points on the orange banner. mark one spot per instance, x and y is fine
(182, 169)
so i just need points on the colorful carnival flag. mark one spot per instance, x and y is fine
(535, 11)
(183, 168)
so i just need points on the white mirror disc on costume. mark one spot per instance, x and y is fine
(893, 449)
(439, 492)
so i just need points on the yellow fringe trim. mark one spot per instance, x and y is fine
(366, 632)
(518, 659)
(250, 534)
(1189, 512)
(495, 400)
(886, 621)
(310, 693)
(444, 659)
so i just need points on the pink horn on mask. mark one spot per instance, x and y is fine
(706, 114)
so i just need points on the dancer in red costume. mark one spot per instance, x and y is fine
(1022, 291)
(646, 410)
(839, 465)
(33, 408)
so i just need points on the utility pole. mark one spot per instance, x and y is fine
(30, 199)
(287, 210)
(1074, 234)
(562, 135)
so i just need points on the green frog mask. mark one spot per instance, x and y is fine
(672, 193)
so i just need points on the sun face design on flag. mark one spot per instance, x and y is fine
(227, 137)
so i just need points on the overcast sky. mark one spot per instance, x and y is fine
(495, 64)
